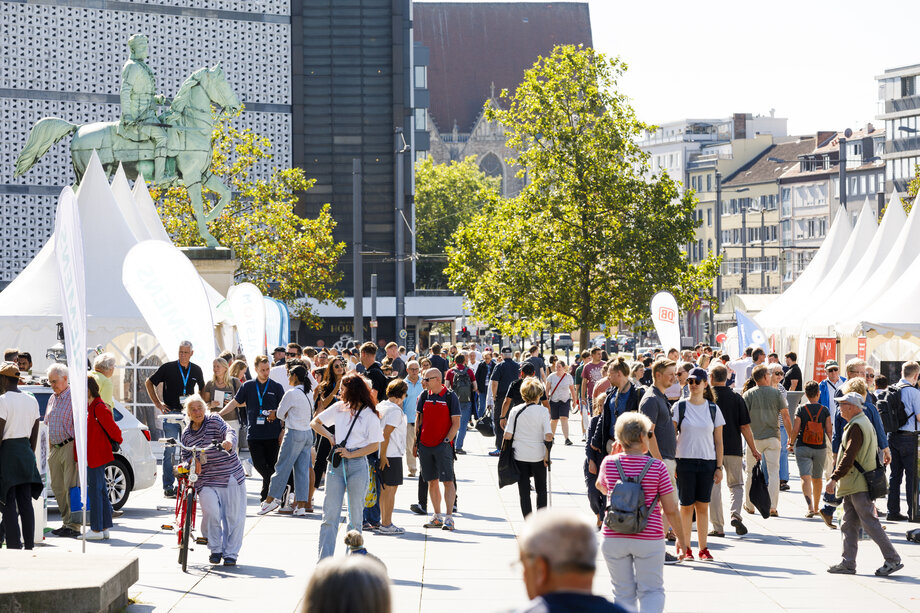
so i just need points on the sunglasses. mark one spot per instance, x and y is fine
(292, 355)
(695, 382)
(870, 376)
(833, 369)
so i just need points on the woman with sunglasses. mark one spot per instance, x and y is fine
(698, 423)
(327, 392)
(636, 561)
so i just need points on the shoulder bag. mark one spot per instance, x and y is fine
(875, 479)
(115, 446)
(334, 458)
(508, 472)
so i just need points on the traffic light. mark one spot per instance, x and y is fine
(465, 333)
(706, 328)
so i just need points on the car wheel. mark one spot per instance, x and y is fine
(118, 482)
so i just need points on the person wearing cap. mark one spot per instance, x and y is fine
(503, 375)
(859, 447)
(278, 356)
(766, 406)
(19, 478)
(698, 423)
(831, 385)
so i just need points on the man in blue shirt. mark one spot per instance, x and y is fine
(904, 448)
(414, 381)
(503, 376)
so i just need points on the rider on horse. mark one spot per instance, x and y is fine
(139, 122)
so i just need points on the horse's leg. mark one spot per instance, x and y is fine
(213, 183)
(192, 170)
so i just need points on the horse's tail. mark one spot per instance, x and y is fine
(45, 134)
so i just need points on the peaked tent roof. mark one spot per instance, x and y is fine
(823, 319)
(775, 316)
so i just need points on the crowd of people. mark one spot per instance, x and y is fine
(677, 425)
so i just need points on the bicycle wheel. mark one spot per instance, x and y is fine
(187, 526)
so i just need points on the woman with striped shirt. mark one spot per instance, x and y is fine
(221, 483)
(636, 561)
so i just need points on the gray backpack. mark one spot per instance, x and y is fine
(627, 512)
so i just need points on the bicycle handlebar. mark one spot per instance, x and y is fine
(215, 444)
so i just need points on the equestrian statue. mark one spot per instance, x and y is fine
(174, 148)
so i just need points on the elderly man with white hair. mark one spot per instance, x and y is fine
(558, 552)
(61, 463)
(179, 379)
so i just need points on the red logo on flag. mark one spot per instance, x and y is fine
(667, 314)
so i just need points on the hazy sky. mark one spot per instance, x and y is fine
(813, 61)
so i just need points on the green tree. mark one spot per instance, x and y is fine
(284, 255)
(594, 234)
(446, 195)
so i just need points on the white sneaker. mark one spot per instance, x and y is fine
(392, 529)
(300, 512)
(92, 535)
(106, 535)
(268, 507)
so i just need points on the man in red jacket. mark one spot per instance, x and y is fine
(439, 415)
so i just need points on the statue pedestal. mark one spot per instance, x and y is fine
(216, 265)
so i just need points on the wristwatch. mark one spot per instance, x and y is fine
(447, 440)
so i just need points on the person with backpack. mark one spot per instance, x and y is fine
(462, 382)
(438, 419)
(622, 397)
(529, 433)
(903, 444)
(698, 423)
(638, 487)
(560, 388)
(810, 430)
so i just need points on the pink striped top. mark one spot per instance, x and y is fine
(656, 481)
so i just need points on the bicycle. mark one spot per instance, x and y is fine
(186, 497)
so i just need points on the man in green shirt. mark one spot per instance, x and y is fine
(766, 405)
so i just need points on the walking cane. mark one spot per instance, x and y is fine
(549, 472)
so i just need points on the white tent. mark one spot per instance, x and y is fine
(111, 218)
(775, 317)
(822, 319)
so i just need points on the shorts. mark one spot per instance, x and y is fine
(810, 461)
(694, 480)
(437, 462)
(559, 409)
(392, 475)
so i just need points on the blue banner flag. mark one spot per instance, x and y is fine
(749, 333)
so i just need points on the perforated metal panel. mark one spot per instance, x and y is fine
(61, 61)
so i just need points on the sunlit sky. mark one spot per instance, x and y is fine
(813, 61)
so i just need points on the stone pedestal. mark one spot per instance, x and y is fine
(216, 265)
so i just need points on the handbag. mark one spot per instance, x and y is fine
(334, 458)
(875, 479)
(115, 446)
(508, 471)
(484, 425)
(760, 495)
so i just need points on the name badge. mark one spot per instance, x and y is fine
(260, 421)
(182, 400)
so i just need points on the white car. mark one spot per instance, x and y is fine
(134, 467)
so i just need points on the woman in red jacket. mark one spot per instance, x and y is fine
(101, 430)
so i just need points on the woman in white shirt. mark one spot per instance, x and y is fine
(392, 449)
(19, 478)
(357, 434)
(698, 423)
(296, 411)
(531, 438)
(560, 389)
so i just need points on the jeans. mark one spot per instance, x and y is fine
(481, 404)
(264, 453)
(170, 430)
(537, 470)
(223, 517)
(372, 514)
(97, 497)
(769, 449)
(783, 454)
(903, 460)
(295, 455)
(19, 507)
(466, 408)
(636, 569)
(349, 478)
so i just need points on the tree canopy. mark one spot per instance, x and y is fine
(595, 233)
(446, 195)
(284, 255)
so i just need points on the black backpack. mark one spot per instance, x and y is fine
(891, 408)
(462, 385)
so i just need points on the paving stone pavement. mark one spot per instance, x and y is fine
(779, 566)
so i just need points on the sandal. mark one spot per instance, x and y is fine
(671, 536)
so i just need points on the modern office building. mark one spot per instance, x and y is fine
(899, 108)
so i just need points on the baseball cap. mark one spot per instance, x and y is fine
(831, 364)
(506, 350)
(9, 369)
(698, 374)
(851, 398)
(280, 348)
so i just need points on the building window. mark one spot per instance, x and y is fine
(421, 77)
(908, 86)
(708, 217)
(421, 120)
(708, 183)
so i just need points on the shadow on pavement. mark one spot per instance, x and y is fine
(473, 516)
(428, 586)
(257, 572)
(426, 536)
(489, 534)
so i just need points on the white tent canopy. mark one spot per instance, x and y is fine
(775, 317)
(30, 306)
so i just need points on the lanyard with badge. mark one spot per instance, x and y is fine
(260, 420)
(185, 375)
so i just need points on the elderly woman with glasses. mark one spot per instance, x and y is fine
(221, 484)
(103, 369)
(636, 561)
